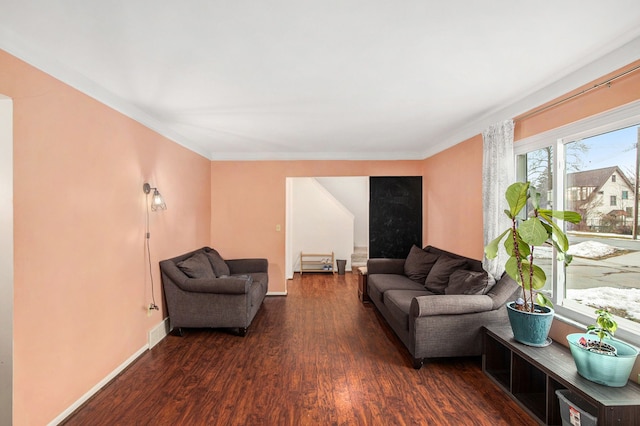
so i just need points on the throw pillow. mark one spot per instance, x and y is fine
(418, 264)
(438, 277)
(196, 266)
(220, 267)
(467, 282)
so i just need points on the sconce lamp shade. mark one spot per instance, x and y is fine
(157, 202)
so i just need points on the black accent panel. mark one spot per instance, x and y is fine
(395, 215)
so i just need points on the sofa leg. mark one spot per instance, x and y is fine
(242, 331)
(417, 363)
(177, 332)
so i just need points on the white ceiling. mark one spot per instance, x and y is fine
(322, 79)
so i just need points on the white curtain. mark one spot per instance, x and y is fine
(498, 172)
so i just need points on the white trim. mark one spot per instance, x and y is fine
(276, 293)
(84, 398)
(622, 116)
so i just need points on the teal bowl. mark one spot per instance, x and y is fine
(606, 370)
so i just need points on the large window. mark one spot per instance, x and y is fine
(592, 167)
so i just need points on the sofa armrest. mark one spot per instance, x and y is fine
(222, 285)
(247, 266)
(385, 266)
(450, 304)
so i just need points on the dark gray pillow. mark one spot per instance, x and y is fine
(438, 277)
(196, 266)
(467, 282)
(418, 264)
(220, 267)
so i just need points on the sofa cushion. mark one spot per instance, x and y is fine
(378, 284)
(385, 282)
(467, 282)
(220, 267)
(196, 266)
(418, 264)
(438, 277)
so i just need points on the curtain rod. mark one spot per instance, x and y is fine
(568, 98)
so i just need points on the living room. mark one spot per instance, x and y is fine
(80, 281)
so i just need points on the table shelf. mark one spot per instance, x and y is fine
(532, 375)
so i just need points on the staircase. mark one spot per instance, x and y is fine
(359, 257)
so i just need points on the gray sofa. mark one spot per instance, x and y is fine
(436, 302)
(204, 290)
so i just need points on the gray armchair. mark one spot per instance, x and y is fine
(203, 290)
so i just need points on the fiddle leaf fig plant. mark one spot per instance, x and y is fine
(522, 238)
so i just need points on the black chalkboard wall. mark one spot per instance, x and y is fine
(395, 215)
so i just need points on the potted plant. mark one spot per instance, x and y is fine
(532, 314)
(607, 363)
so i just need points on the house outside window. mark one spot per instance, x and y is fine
(586, 166)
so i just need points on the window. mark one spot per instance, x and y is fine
(590, 167)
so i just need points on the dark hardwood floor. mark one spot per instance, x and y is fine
(315, 357)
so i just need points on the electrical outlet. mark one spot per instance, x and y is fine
(152, 307)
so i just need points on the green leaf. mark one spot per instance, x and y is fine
(491, 249)
(511, 268)
(566, 215)
(539, 277)
(533, 232)
(523, 248)
(543, 300)
(516, 195)
(559, 237)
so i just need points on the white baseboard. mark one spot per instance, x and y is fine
(84, 398)
(276, 293)
(156, 334)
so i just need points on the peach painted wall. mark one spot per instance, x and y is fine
(81, 283)
(248, 200)
(453, 198)
(621, 91)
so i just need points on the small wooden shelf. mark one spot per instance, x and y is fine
(317, 262)
(532, 375)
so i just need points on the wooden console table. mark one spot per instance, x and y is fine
(531, 377)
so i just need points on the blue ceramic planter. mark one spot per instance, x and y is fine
(532, 329)
(606, 370)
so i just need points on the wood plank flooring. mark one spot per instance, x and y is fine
(316, 357)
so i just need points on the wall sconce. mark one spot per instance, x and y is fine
(157, 202)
